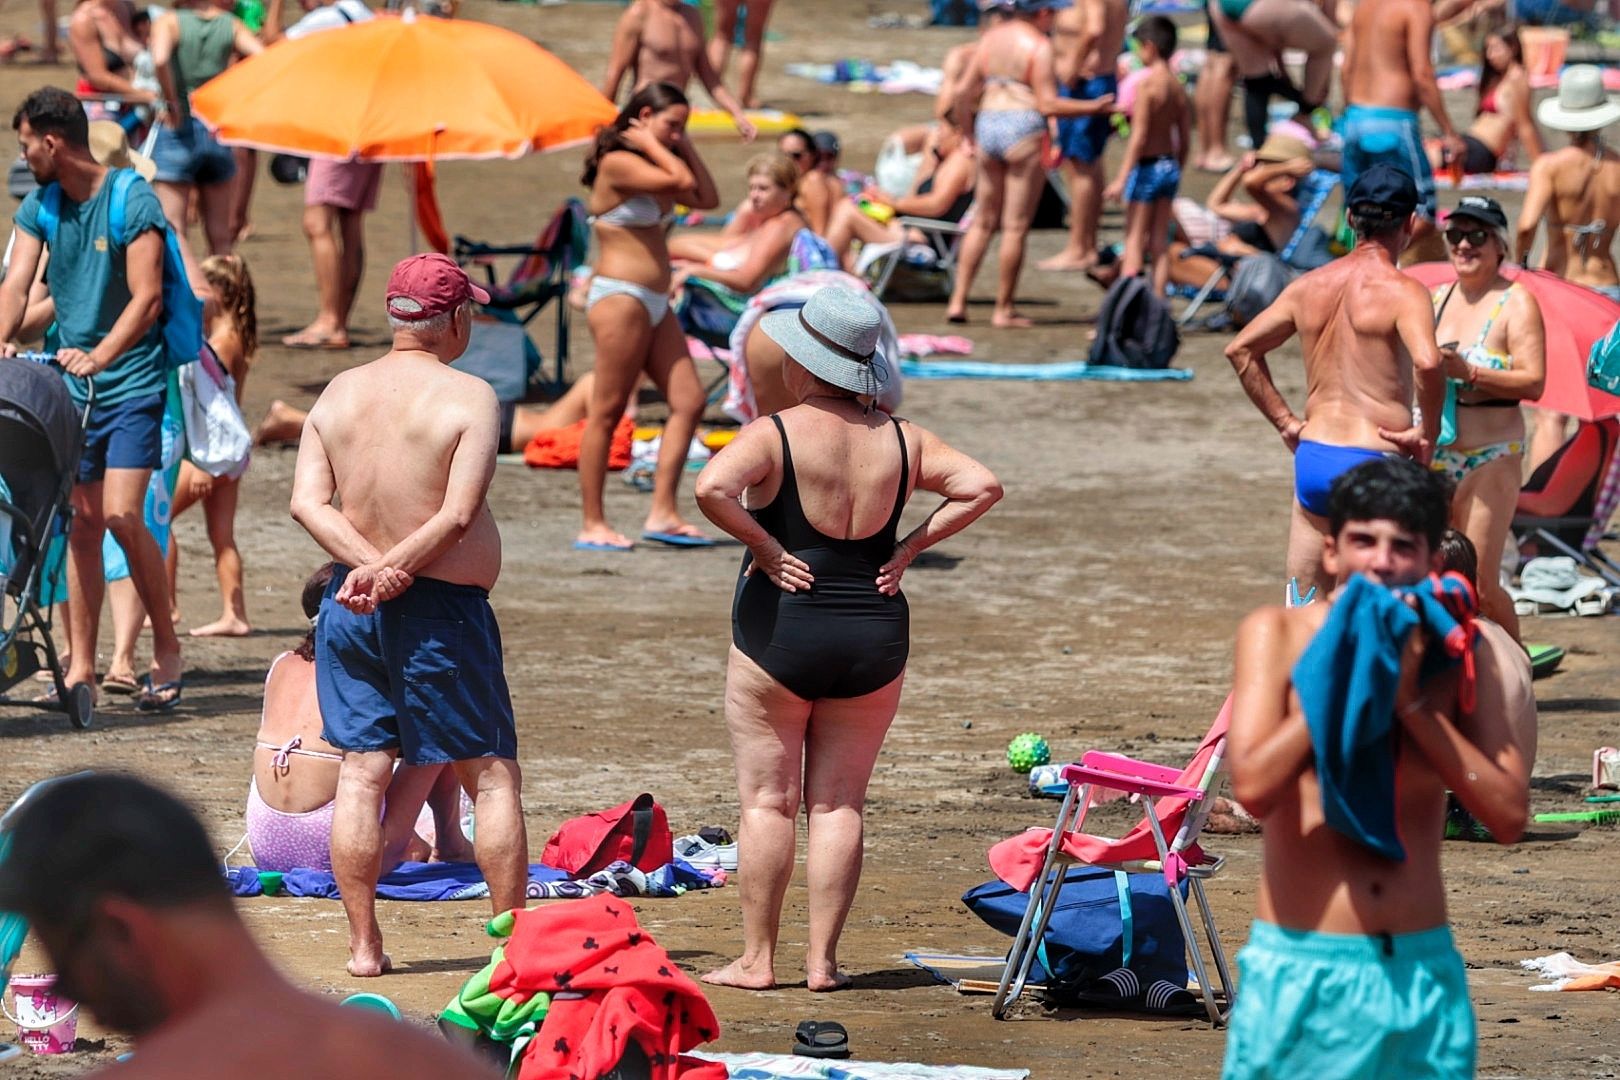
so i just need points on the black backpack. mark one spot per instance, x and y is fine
(955, 13)
(1134, 327)
(1256, 284)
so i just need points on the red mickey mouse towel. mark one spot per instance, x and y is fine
(630, 987)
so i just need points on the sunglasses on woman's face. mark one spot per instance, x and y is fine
(1475, 237)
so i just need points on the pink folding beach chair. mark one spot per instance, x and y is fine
(1175, 803)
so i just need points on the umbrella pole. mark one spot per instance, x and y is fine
(410, 210)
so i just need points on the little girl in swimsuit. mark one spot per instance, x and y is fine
(295, 776)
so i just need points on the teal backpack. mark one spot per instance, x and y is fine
(181, 319)
(1603, 366)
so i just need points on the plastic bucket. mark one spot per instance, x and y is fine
(46, 1021)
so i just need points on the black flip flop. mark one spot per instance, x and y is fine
(821, 1039)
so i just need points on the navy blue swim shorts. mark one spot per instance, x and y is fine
(422, 675)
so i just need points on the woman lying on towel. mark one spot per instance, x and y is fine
(1502, 114)
(295, 777)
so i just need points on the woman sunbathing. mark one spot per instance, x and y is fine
(745, 260)
(944, 194)
(295, 776)
(1502, 113)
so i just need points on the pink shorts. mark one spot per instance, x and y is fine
(347, 185)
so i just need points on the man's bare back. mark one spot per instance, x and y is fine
(305, 1037)
(1378, 68)
(393, 430)
(1358, 371)
(1087, 39)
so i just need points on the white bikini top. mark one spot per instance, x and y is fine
(636, 212)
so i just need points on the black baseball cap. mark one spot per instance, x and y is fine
(1481, 208)
(1387, 188)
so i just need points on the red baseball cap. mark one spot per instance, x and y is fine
(435, 282)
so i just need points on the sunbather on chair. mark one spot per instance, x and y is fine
(1341, 929)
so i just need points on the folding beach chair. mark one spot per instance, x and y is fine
(541, 275)
(1176, 804)
(927, 267)
(1591, 473)
(1314, 192)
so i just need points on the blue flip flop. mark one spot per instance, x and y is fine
(677, 539)
(588, 545)
(148, 699)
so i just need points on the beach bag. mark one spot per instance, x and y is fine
(1104, 920)
(636, 832)
(1256, 284)
(1603, 365)
(217, 438)
(1134, 327)
(955, 13)
(181, 319)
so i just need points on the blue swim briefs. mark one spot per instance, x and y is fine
(124, 435)
(1350, 1006)
(1082, 138)
(1374, 134)
(422, 675)
(1153, 179)
(1317, 465)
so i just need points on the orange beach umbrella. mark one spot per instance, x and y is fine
(411, 88)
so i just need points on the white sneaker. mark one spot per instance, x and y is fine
(700, 853)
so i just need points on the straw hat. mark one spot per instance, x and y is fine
(1581, 104)
(834, 337)
(109, 145)
(1280, 147)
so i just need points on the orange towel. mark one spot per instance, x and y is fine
(558, 448)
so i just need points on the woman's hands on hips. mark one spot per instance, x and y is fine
(787, 572)
(889, 574)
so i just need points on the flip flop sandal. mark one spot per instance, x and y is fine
(151, 699)
(121, 685)
(821, 1039)
(678, 540)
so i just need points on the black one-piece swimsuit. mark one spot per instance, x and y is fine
(841, 638)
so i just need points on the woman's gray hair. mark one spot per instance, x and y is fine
(431, 328)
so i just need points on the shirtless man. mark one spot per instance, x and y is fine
(1388, 76)
(1344, 937)
(407, 651)
(1365, 328)
(662, 41)
(120, 884)
(1576, 190)
(1086, 42)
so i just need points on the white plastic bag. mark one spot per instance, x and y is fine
(217, 438)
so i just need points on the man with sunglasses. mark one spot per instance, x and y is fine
(1367, 331)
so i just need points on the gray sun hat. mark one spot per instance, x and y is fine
(835, 338)
(1582, 103)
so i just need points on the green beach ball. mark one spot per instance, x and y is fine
(1027, 751)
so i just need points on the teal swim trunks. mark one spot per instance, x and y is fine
(1341, 1006)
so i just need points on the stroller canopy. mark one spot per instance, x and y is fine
(34, 396)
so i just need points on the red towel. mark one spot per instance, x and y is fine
(630, 987)
(558, 448)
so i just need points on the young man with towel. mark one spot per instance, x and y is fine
(1350, 970)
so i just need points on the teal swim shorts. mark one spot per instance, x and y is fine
(1332, 1006)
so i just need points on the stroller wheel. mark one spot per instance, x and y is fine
(81, 705)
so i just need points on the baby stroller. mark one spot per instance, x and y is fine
(41, 434)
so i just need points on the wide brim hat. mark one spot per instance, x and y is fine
(109, 145)
(835, 338)
(1582, 103)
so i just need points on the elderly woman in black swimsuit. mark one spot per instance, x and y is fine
(820, 629)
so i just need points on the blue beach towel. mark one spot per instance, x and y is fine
(1346, 679)
(1069, 371)
(462, 881)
